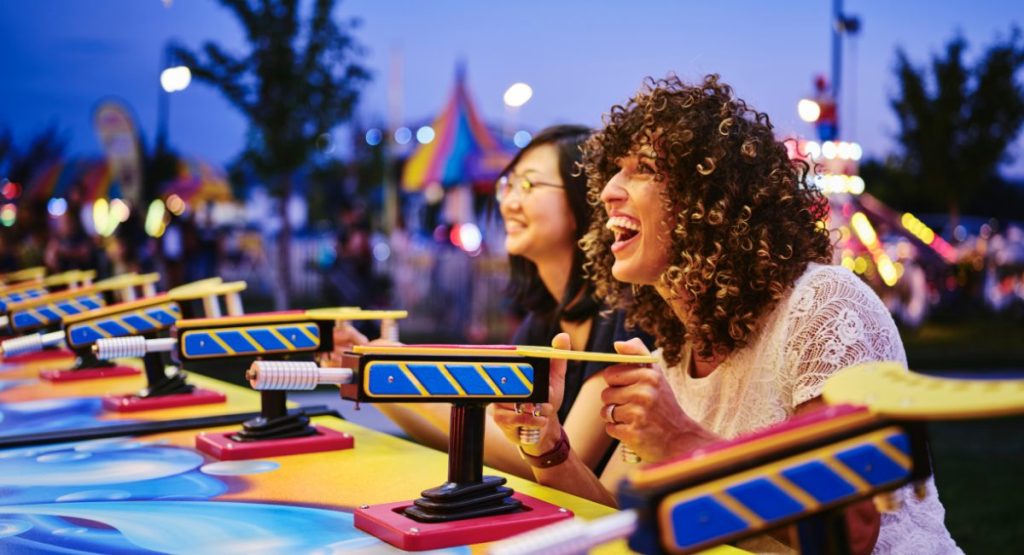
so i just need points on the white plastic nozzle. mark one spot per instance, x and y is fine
(568, 537)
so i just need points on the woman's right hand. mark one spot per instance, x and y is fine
(510, 417)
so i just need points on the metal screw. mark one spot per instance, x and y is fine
(504, 380)
(202, 343)
(293, 338)
(391, 379)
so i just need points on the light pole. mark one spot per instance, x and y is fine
(173, 78)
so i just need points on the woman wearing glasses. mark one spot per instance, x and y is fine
(542, 197)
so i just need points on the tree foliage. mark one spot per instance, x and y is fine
(956, 124)
(21, 164)
(300, 79)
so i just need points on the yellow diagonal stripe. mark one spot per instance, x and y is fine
(739, 509)
(279, 337)
(522, 377)
(153, 321)
(487, 378)
(783, 483)
(311, 337)
(895, 454)
(251, 340)
(121, 321)
(448, 375)
(412, 379)
(846, 473)
(218, 341)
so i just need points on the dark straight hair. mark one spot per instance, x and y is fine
(525, 286)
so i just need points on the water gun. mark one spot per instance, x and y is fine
(869, 442)
(233, 342)
(469, 507)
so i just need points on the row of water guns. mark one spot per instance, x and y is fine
(869, 442)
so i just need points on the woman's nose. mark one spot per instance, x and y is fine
(614, 190)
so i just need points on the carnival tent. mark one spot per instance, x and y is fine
(92, 178)
(463, 150)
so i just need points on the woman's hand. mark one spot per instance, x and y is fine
(641, 411)
(510, 417)
(346, 336)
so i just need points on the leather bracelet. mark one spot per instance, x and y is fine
(556, 456)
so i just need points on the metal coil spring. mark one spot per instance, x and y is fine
(266, 375)
(529, 436)
(389, 330)
(32, 343)
(280, 375)
(120, 347)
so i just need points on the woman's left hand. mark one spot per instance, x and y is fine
(646, 416)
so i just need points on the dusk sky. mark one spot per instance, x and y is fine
(59, 57)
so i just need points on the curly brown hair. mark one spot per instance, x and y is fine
(746, 222)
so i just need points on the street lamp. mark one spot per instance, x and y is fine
(173, 78)
(515, 97)
(808, 110)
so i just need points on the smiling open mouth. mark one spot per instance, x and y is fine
(624, 228)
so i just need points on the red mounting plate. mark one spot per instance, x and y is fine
(387, 522)
(134, 403)
(58, 376)
(220, 445)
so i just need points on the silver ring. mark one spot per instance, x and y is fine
(529, 436)
(608, 413)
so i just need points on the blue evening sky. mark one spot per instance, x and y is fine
(59, 57)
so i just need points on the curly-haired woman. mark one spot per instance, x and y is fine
(710, 238)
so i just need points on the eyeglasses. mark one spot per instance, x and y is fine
(506, 186)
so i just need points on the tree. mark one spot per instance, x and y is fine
(20, 165)
(957, 123)
(299, 80)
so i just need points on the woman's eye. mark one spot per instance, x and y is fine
(645, 168)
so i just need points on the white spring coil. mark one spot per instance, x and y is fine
(389, 330)
(265, 375)
(121, 347)
(529, 436)
(32, 343)
(569, 537)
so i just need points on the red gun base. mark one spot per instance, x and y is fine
(134, 403)
(58, 376)
(388, 523)
(220, 445)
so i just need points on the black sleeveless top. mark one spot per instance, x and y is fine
(607, 328)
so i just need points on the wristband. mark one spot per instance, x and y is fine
(556, 456)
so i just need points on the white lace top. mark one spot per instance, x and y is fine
(829, 320)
